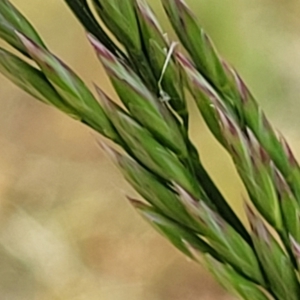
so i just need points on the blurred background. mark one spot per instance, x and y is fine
(66, 230)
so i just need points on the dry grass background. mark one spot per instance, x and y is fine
(66, 231)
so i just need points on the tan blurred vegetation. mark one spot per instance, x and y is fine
(66, 230)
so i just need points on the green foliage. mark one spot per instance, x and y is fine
(160, 161)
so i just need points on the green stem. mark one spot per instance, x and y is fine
(216, 197)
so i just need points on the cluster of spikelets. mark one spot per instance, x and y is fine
(150, 74)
